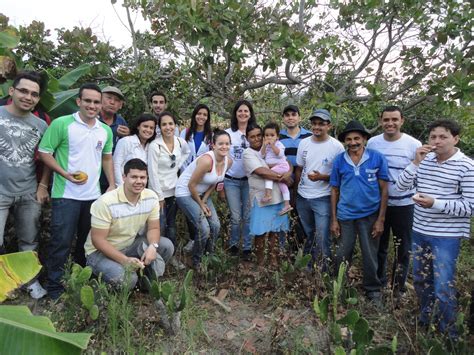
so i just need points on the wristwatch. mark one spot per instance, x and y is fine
(155, 245)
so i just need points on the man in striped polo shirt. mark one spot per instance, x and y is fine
(291, 138)
(80, 143)
(399, 150)
(444, 181)
(117, 238)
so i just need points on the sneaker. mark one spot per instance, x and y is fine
(176, 264)
(247, 255)
(234, 250)
(188, 248)
(36, 291)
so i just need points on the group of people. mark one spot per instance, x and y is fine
(117, 190)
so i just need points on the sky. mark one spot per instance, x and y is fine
(97, 14)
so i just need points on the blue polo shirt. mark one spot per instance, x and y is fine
(118, 121)
(358, 184)
(291, 144)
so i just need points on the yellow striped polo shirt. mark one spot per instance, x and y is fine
(124, 220)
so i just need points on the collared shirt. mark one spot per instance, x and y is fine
(358, 184)
(77, 147)
(451, 184)
(118, 121)
(291, 144)
(123, 219)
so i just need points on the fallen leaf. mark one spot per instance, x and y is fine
(230, 335)
(249, 347)
(260, 323)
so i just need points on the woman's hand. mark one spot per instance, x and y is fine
(205, 209)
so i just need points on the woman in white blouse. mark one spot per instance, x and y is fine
(135, 145)
(166, 155)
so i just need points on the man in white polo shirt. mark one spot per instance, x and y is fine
(399, 149)
(80, 143)
(117, 238)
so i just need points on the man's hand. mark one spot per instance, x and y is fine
(136, 263)
(377, 229)
(424, 201)
(149, 255)
(71, 178)
(123, 131)
(162, 205)
(42, 194)
(421, 153)
(336, 228)
(315, 176)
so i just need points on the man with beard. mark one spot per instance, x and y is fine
(359, 196)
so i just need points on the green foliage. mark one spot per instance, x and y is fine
(360, 335)
(23, 333)
(300, 263)
(79, 290)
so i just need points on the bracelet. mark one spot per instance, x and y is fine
(43, 185)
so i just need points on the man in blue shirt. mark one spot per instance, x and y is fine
(291, 138)
(112, 102)
(359, 194)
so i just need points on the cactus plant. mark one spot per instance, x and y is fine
(79, 290)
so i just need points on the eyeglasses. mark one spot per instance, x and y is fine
(244, 142)
(173, 159)
(23, 91)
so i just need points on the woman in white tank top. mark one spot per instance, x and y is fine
(194, 189)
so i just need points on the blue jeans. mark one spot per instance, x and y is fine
(369, 247)
(315, 216)
(68, 218)
(168, 219)
(26, 211)
(116, 274)
(398, 219)
(207, 227)
(434, 270)
(237, 196)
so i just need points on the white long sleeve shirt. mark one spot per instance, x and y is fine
(163, 165)
(127, 148)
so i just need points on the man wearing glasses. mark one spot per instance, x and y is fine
(20, 133)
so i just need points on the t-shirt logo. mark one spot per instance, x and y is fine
(371, 174)
(99, 146)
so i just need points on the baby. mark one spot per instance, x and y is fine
(273, 151)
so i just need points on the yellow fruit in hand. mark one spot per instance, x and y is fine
(80, 175)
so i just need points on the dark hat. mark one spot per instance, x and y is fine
(293, 108)
(353, 126)
(113, 90)
(321, 113)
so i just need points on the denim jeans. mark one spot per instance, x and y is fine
(168, 219)
(116, 274)
(68, 218)
(434, 271)
(237, 195)
(368, 246)
(207, 227)
(315, 216)
(398, 219)
(26, 211)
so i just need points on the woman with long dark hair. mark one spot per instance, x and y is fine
(166, 155)
(235, 183)
(135, 145)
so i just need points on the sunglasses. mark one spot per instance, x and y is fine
(173, 159)
(244, 142)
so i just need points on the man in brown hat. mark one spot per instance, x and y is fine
(359, 195)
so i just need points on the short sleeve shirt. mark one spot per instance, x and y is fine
(77, 147)
(358, 184)
(124, 220)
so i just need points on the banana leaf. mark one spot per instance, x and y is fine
(23, 333)
(17, 269)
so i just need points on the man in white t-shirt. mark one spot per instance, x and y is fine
(313, 202)
(399, 149)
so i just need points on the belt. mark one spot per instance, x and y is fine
(236, 178)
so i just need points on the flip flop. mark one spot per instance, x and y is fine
(285, 210)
